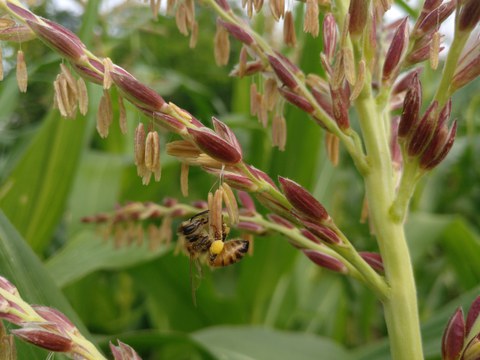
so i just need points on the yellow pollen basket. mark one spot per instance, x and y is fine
(216, 247)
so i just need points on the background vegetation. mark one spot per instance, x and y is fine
(275, 304)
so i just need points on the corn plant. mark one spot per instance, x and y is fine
(367, 98)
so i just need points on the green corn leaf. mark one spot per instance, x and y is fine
(244, 342)
(87, 253)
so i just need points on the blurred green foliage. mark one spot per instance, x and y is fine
(275, 304)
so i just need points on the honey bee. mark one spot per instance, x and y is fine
(200, 245)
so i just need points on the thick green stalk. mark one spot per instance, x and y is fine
(400, 307)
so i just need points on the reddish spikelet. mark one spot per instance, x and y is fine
(90, 74)
(237, 32)
(123, 352)
(421, 50)
(8, 286)
(374, 260)
(310, 236)
(14, 319)
(59, 38)
(406, 81)
(240, 182)
(445, 113)
(430, 163)
(358, 12)
(277, 219)
(56, 317)
(396, 51)
(473, 315)
(282, 72)
(223, 4)
(324, 233)
(323, 100)
(329, 36)
(136, 92)
(469, 15)
(259, 174)
(247, 202)
(303, 201)
(251, 227)
(468, 69)
(22, 12)
(411, 108)
(214, 146)
(434, 19)
(226, 134)
(287, 62)
(167, 121)
(428, 7)
(326, 261)
(453, 337)
(45, 339)
(297, 100)
(422, 134)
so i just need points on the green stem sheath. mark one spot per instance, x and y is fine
(401, 310)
